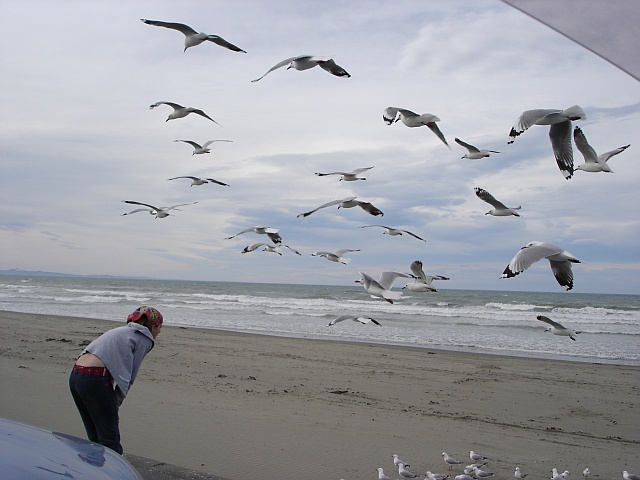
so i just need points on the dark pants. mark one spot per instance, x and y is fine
(96, 401)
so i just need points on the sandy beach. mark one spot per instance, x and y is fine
(243, 406)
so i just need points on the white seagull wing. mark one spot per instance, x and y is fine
(560, 136)
(490, 199)
(547, 320)
(583, 146)
(284, 62)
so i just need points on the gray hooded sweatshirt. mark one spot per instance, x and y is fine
(122, 350)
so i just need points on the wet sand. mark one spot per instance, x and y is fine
(244, 406)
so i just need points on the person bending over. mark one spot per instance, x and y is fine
(105, 370)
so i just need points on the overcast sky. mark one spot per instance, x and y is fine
(78, 137)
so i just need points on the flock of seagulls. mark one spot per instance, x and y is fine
(473, 471)
(560, 134)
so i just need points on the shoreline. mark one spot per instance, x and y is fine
(418, 347)
(240, 405)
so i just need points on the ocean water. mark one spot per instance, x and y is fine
(464, 320)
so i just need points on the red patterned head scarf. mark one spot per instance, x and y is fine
(153, 317)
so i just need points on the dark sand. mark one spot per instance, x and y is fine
(242, 406)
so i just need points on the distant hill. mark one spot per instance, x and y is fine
(38, 273)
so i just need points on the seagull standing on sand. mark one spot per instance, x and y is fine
(559, 259)
(305, 62)
(381, 475)
(422, 282)
(499, 209)
(359, 319)
(336, 256)
(397, 461)
(464, 476)
(382, 288)
(403, 472)
(592, 161)
(469, 468)
(348, 176)
(412, 119)
(559, 132)
(519, 475)
(394, 231)
(159, 212)
(348, 202)
(474, 152)
(200, 149)
(201, 181)
(482, 474)
(272, 233)
(450, 460)
(437, 476)
(476, 457)
(179, 111)
(630, 476)
(558, 329)
(193, 38)
(586, 472)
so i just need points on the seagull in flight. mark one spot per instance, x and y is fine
(422, 282)
(412, 119)
(474, 152)
(200, 149)
(159, 212)
(305, 62)
(193, 38)
(336, 256)
(201, 181)
(499, 209)
(382, 288)
(558, 329)
(592, 161)
(348, 202)
(348, 176)
(272, 233)
(394, 231)
(179, 111)
(559, 132)
(559, 259)
(268, 248)
(359, 319)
